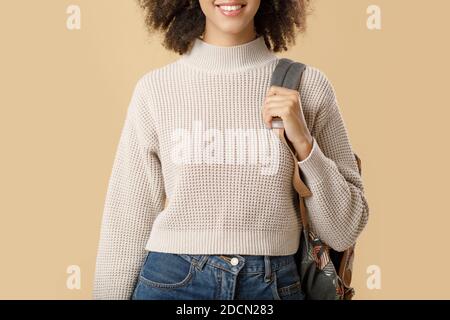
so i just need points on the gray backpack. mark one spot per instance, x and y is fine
(325, 274)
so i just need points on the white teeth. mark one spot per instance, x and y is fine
(231, 8)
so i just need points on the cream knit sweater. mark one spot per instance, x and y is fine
(194, 135)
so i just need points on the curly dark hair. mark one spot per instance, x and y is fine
(182, 21)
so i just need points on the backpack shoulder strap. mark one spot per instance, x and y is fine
(287, 74)
(358, 161)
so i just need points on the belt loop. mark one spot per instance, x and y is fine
(267, 269)
(200, 261)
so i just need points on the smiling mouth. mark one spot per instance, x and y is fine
(230, 9)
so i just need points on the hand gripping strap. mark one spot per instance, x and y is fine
(288, 74)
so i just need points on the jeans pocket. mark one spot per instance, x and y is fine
(166, 270)
(286, 283)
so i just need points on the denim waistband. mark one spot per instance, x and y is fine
(243, 264)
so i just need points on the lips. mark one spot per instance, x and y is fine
(230, 8)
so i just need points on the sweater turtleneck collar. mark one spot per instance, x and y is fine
(214, 58)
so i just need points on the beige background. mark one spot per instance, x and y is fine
(64, 96)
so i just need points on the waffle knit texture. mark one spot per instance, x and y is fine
(220, 200)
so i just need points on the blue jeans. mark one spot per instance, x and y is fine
(169, 276)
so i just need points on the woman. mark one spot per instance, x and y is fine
(198, 135)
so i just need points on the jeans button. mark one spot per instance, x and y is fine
(234, 261)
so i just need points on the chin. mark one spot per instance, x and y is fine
(232, 28)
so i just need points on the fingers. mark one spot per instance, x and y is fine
(277, 105)
(275, 110)
(290, 99)
(274, 90)
(280, 102)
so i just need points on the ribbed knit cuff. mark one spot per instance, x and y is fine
(315, 165)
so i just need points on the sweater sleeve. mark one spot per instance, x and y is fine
(134, 197)
(309, 155)
(338, 210)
